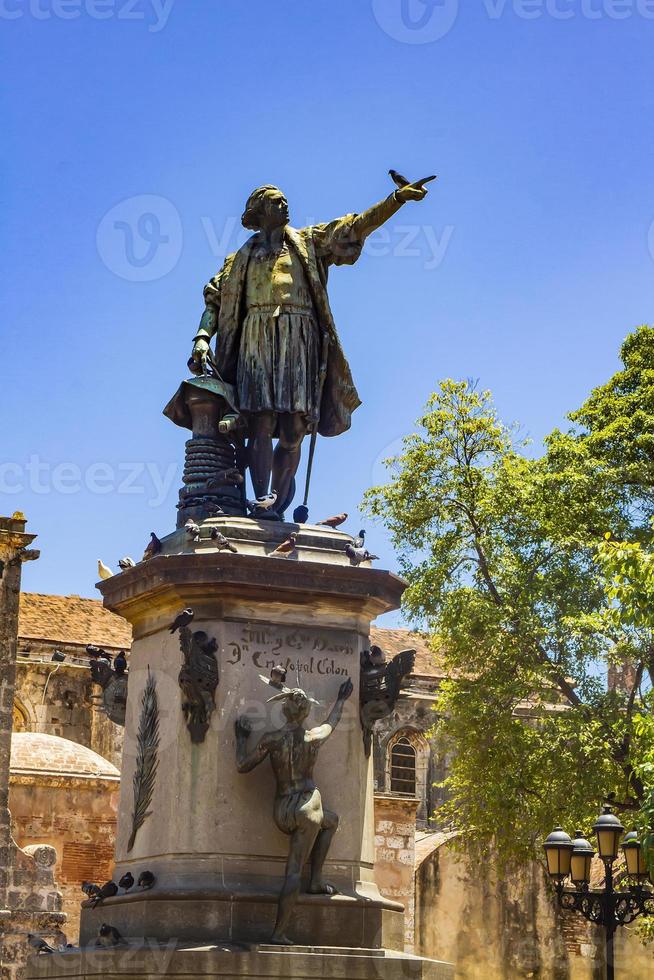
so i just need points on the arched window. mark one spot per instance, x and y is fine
(19, 718)
(403, 767)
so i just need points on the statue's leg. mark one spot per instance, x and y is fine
(260, 450)
(323, 842)
(292, 430)
(302, 841)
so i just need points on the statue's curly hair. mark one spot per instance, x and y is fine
(250, 218)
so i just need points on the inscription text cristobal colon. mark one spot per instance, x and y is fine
(301, 651)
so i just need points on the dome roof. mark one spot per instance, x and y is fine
(34, 752)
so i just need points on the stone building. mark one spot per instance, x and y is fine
(54, 692)
(64, 792)
(29, 899)
(65, 753)
(64, 795)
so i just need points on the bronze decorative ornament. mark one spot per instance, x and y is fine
(147, 758)
(113, 682)
(198, 680)
(380, 686)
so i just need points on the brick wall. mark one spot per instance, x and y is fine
(77, 817)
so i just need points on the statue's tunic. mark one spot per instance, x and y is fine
(279, 355)
(273, 323)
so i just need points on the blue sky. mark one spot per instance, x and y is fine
(133, 132)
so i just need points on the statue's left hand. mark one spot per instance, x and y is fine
(412, 192)
(345, 690)
(201, 353)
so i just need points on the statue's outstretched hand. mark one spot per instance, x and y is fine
(412, 192)
(345, 690)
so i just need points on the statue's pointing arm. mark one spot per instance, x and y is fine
(322, 733)
(340, 242)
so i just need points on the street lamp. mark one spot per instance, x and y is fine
(633, 852)
(558, 851)
(582, 859)
(608, 830)
(609, 907)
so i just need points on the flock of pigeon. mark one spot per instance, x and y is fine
(108, 936)
(99, 653)
(97, 893)
(355, 549)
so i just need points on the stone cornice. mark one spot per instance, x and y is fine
(212, 576)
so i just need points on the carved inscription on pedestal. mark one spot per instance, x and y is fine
(305, 651)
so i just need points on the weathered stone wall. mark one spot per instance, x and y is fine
(60, 699)
(395, 833)
(34, 905)
(510, 927)
(494, 928)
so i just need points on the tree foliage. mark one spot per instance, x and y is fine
(510, 571)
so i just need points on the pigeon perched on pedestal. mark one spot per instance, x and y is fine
(277, 678)
(146, 880)
(359, 555)
(263, 503)
(126, 563)
(120, 663)
(108, 936)
(334, 521)
(184, 618)
(127, 881)
(98, 894)
(221, 542)
(286, 548)
(377, 656)
(39, 944)
(104, 571)
(154, 547)
(360, 541)
(193, 530)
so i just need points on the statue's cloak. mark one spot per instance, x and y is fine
(317, 247)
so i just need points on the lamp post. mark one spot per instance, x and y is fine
(610, 907)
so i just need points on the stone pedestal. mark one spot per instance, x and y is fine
(152, 961)
(209, 838)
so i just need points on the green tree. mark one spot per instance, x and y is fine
(509, 571)
(615, 426)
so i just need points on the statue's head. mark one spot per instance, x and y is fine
(296, 706)
(266, 208)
